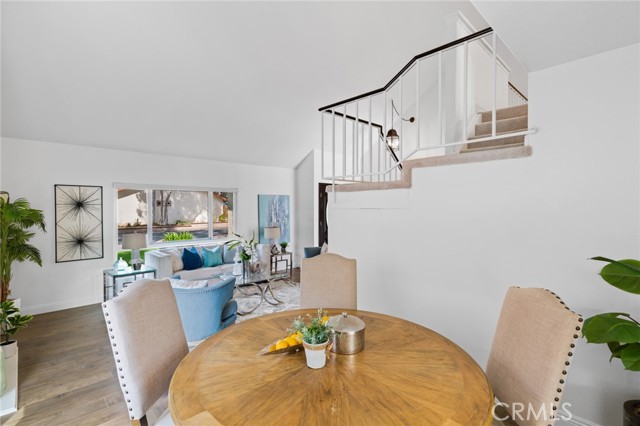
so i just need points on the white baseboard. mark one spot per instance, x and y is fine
(57, 306)
(573, 421)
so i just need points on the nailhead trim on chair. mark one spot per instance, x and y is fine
(122, 377)
(569, 354)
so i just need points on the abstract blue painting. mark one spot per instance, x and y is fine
(273, 210)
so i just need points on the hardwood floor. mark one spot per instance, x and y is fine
(66, 372)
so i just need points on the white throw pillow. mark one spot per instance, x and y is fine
(188, 284)
(324, 249)
(176, 258)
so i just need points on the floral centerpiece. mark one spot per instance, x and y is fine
(246, 248)
(314, 331)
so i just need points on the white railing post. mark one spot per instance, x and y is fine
(322, 144)
(418, 104)
(384, 126)
(379, 157)
(370, 142)
(495, 85)
(344, 141)
(333, 142)
(401, 135)
(357, 125)
(353, 149)
(440, 116)
(464, 90)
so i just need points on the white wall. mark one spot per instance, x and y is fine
(30, 169)
(305, 206)
(447, 249)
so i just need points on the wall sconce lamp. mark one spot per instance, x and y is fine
(393, 139)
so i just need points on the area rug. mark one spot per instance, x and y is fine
(248, 297)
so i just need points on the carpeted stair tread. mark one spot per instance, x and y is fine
(488, 147)
(494, 143)
(503, 126)
(504, 113)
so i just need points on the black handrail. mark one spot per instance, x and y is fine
(518, 92)
(376, 125)
(351, 117)
(409, 64)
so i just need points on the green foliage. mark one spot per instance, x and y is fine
(284, 245)
(247, 248)
(183, 223)
(623, 274)
(314, 330)
(10, 320)
(618, 330)
(16, 219)
(177, 236)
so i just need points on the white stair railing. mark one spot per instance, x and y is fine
(430, 105)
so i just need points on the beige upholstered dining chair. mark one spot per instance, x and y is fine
(530, 356)
(148, 343)
(328, 281)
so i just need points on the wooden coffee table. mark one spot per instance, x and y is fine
(407, 374)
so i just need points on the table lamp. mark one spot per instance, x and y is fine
(272, 233)
(134, 242)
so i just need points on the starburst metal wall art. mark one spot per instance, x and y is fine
(79, 233)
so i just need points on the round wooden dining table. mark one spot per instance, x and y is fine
(406, 375)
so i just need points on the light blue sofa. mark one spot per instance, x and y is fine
(205, 311)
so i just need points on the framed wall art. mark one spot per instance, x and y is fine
(79, 233)
(273, 210)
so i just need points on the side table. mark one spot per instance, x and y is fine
(278, 258)
(109, 276)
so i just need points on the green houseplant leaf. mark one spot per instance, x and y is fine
(16, 220)
(623, 274)
(630, 356)
(618, 330)
(605, 328)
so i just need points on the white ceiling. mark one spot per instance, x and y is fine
(543, 34)
(242, 81)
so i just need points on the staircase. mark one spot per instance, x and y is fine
(508, 120)
(375, 140)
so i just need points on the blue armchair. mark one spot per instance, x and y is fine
(205, 311)
(310, 252)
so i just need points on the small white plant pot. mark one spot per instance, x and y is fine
(10, 349)
(316, 354)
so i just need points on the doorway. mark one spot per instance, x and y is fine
(323, 202)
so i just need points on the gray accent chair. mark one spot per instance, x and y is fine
(148, 343)
(328, 281)
(531, 354)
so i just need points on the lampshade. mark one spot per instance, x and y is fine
(272, 232)
(393, 140)
(134, 241)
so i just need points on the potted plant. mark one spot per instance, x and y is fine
(283, 247)
(10, 323)
(315, 337)
(246, 248)
(16, 219)
(619, 330)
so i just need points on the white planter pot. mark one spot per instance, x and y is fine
(316, 354)
(10, 349)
